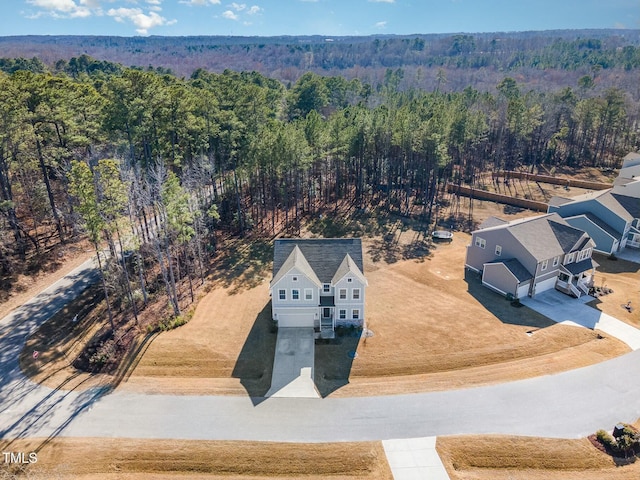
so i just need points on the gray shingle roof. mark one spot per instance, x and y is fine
(582, 266)
(630, 204)
(518, 270)
(602, 224)
(324, 255)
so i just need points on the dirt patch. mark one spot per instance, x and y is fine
(100, 458)
(506, 457)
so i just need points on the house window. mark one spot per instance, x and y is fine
(355, 314)
(282, 294)
(308, 294)
(481, 242)
(295, 294)
(544, 265)
(343, 294)
(326, 288)
(556, 261)
(356, 294)
(570, 257)
(295, 279)
(343, 314)
(498, 250)
(349, 280)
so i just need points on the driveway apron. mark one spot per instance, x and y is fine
(293, 364)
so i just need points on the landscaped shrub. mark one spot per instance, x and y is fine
(606, 440)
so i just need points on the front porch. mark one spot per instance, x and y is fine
(327, 328)
(576, 279)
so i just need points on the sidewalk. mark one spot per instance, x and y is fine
(414, 459)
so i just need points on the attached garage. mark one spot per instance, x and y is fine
(508, 277)
(545, 285)
(297, 317)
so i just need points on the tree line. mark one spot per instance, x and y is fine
(154, 168)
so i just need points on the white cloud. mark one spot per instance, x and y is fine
(141, 20)
(66, 8)
(381, 25)
(229, 15)
(154, 2)
(238, 7)
(382, 1)
(255, 9)
(200, 3)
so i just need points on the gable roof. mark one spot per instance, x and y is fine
(492, 222)
(516, 268)
(545, 236)
(348, 266)
(604, 226)
(323, 255)
(296, 260)
(630, 204)
(604, 197)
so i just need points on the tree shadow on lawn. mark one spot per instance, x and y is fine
(334, 359)
(254, 365)
(502, 308)
(611, 266)
(243, 265)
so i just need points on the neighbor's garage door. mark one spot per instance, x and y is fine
(300, 319)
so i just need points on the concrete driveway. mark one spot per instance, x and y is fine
(293, 364)
(562, 308)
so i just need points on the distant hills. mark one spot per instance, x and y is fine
(544, 59)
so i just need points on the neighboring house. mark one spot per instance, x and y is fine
(529, 256)
(318, 283)
(630, 166)
(611, 217)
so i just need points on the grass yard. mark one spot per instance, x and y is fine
(497, 457)
(433, 330)
(624, 279)
(133, 459)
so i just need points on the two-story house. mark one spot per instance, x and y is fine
(529, 256)
(318, 283)
(612, 216)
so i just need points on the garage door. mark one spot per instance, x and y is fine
(523, 290)
(302, 319)
(545, 285)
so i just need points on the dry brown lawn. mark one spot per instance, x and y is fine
(624, 279)
(135, 459)
(496, 457)
(433, 330)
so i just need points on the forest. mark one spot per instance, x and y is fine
(156, 171)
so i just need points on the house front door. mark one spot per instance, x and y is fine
(326, 312)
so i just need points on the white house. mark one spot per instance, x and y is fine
(318, 283)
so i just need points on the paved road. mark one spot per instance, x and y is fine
(571, 404)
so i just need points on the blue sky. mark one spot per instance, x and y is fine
(308, 17)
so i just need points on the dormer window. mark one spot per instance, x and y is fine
(326, 288)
